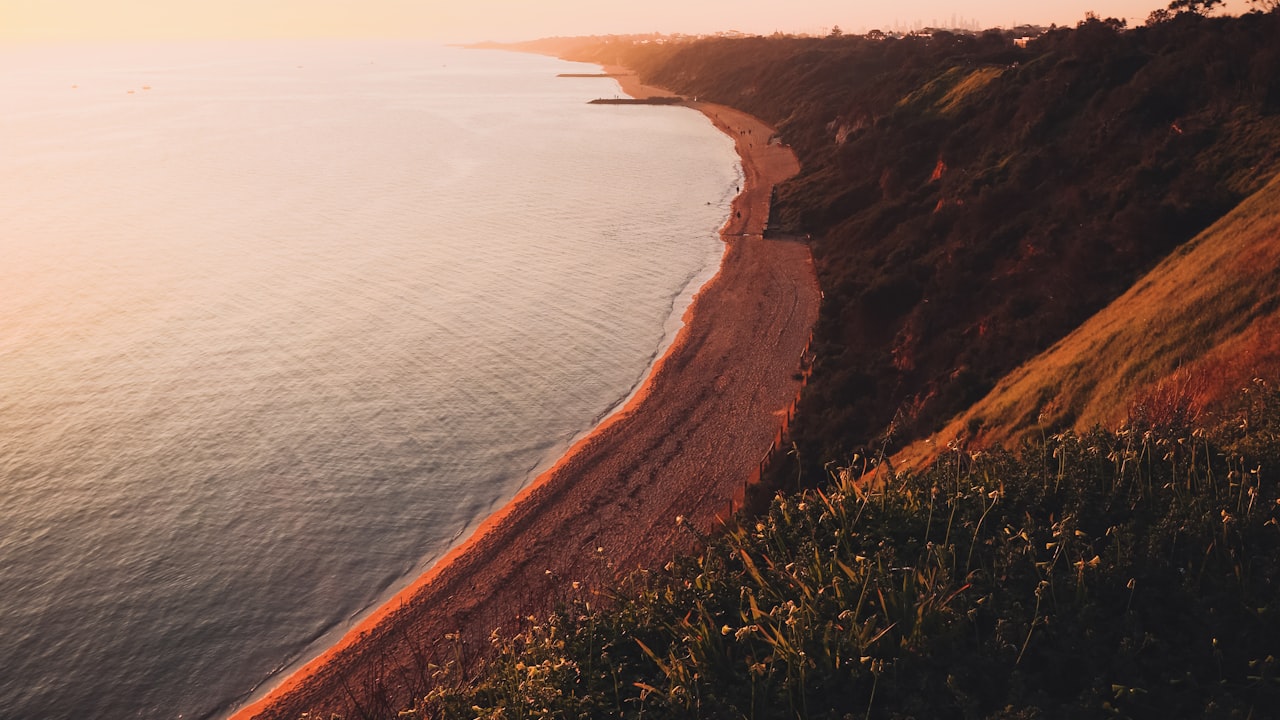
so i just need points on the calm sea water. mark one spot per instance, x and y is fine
(280, 322)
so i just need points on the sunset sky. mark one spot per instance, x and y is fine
(468, 20)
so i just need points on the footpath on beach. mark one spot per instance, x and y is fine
(684, 445)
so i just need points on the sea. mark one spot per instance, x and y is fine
(283, 321)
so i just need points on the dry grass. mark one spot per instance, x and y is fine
(972, 83)
(1187, 335)
(947, 92)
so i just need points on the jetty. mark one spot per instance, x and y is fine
(656, 100)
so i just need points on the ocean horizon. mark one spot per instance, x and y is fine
(286, 321)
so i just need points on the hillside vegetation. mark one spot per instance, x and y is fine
(971, 202)
(1106, 575)
(1184, 338)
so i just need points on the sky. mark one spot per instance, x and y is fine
(473, 20)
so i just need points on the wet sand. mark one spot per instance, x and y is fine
(684, 445)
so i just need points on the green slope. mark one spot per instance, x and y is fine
(1188, 335)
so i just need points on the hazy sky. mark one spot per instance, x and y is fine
(466, 20)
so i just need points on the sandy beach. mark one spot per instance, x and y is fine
(684, 445)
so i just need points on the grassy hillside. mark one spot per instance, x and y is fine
(1184, 338)
(972, 202)
(1105, 575)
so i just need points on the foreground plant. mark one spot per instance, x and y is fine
(1129, 574)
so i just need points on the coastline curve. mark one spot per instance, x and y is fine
(683, 444)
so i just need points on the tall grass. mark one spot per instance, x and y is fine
(1128, 574)
(1179, 342)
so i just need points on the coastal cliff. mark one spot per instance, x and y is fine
(971, 203)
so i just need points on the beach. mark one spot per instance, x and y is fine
(684, 445)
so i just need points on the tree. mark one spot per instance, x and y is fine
(1159, 15)
(836, 31)
(1199, 7)
(1116, 24)
(1265, 5)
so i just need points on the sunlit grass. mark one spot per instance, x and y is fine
(971, 84)
(928, 93)
(1198, 321)
(948, 92)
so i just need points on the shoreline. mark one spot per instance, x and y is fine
(683, 442)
